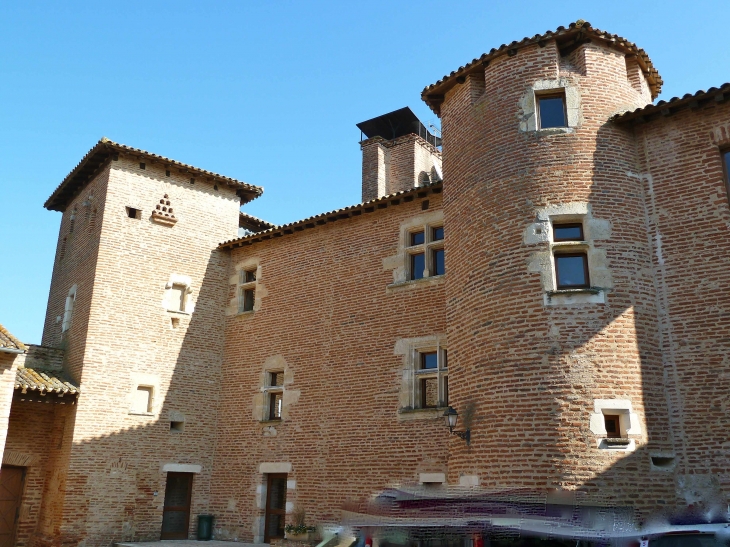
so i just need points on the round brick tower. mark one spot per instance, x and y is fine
(552, 322)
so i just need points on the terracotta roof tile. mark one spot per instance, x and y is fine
(674, 104)
(431, 94)
(98, 155)
(256, 224)
(332, 216)
(28, 379)
(8, 341)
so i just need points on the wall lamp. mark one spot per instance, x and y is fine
(451, 418)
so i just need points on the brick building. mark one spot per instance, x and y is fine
(210, 362)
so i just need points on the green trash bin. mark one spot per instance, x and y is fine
(205, 527)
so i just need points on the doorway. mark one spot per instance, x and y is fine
(275, 506)
(176, 511)
(11, 492)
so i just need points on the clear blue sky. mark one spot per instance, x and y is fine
(268, 92)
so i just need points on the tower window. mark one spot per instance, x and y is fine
(133, 213)
(551, 110)
(571, 271)
(142, 165)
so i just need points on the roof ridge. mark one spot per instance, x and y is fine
(266, 234)
(674, 103)
(58, 199)
(7, 340)
(577, 26)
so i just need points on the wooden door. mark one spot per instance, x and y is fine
(11, 490)
(176, 512)
(275, 506)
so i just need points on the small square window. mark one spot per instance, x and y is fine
(133, 213)
(613, 426)
(438, 262)
(568, 232)
(177, 427)
(247, 299)
(142, 165)
(275, 399)
(429, 360)
(437, 234)
(571, 271)
(418, 264)
(551, 110)
(417, 238)
(249, 276)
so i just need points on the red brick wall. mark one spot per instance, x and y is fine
(328, 315)
(689, 214)
(534, 371)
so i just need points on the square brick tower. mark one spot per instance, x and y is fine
(136, 302)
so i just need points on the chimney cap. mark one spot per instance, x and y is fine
(397, 124)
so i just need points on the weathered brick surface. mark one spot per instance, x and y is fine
(534, 371)
(328, 316)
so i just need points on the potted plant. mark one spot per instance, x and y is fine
(298, 530)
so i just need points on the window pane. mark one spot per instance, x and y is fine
(568, 232)
(250, 275)
(445, 396)
(418, 264)
(552, 112)
(276, 379)
(417, 238)
(571, 271)
(439, 267)
(248, 299)
(444, 361)
(429, 392)
(437, 234)
(275, 406)
(428, 360)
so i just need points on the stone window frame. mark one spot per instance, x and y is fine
(543, 261)
(630, 425)
(245, 284)
(409, 400)
(529, 106)
(238, 284)
(150, 381)
(68, 309)
(400, 263)
(272, 390)
(187, 304)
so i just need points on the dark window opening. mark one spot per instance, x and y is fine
(438, 262)
(437, 234)
(248, 299)
(167, 172)
(276, 379)
(418, 264)
(142, 165)
(249, 276)
(177, 426)
(429, 360)
(551, 110)
(662, 461)
(215, 187)
(429, 392)
(275, 516)
(445, 401)
(275, 406)
(568, 232)
(613, 428)
(424, 205)
(115, 157)
(417, 238)
(133, 213)
(192, 181)
(571, 271)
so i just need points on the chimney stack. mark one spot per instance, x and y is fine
(398, 154)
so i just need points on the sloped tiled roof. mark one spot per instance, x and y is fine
(256, 224)
(337, 214)
(28, 379)
(666, 108)
(8, 341)
(101, 152)
(580, 30)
